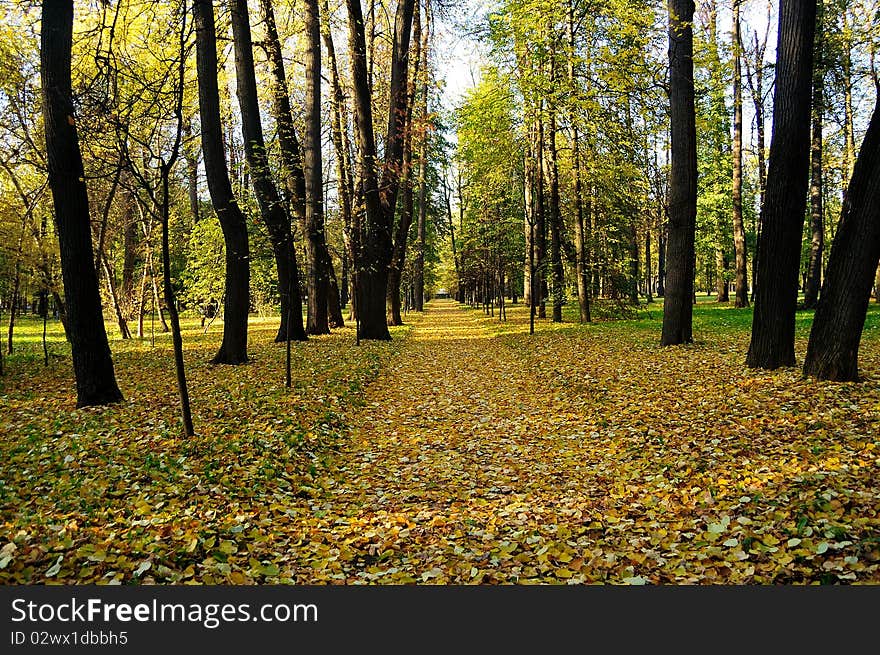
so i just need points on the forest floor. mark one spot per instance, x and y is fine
(464, 451)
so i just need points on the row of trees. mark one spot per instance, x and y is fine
(842, 305)
(637, 164)
(133, 117)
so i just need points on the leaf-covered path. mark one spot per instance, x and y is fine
(484, 457)
(464, 451)
(449, 472)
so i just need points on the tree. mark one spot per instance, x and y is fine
(316, 246)
(833, 349)
(272, 209)
(817, 224)
(782, 217)
(739, 232)
(379, 197)
(679, 291)
(233, 350)
(92, 361)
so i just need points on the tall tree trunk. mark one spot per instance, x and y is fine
(165, 169)
(782, 217)
(233, 350)
(404, 222)
(832, 353)
(556, 227)
(739, 231)
(677, 306)
(92, 361)
(718, 113)
(316, 246)
(421, 232)
(380, 199)
(528, 227)
(272, 209)
(755, 78)
(648, 273)
(344, 188)
(540, 218)
(581, 240)
(817, 223)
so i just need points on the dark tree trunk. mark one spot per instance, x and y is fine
(291, 157)
(404, 222)
(782, 217)
(236, 306)
(316, 246)
(679, 291)
(540, 236)
(343, 173)
(92, 361)
(380, 200)
(421, 233)
(817, 223)
(556, 227)
(272, 210)
(739, 232)
(832, 353)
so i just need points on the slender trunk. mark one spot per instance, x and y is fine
(540, 219)
(677, 306)
(648, 274)
(555, 220)
(832, 353)
(171, 302)
(582, 265)
(192, 173)
(849, 152)
(817, 223)
(129, 263)
(421, 234)
(233, 350)
(782, 217)
(114, 299)
(739, 232)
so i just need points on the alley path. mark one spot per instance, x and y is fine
(455, 462)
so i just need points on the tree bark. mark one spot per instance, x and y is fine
(380, 200)
(421, 232)
(558, 275)
(92, 361)
(404, 222)
(782, 217)
(344, 187)
(739, 232)
(316, 246)
(817, 223)
(233, 350)
(832, 353)
(679, 291)
(272, 210)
